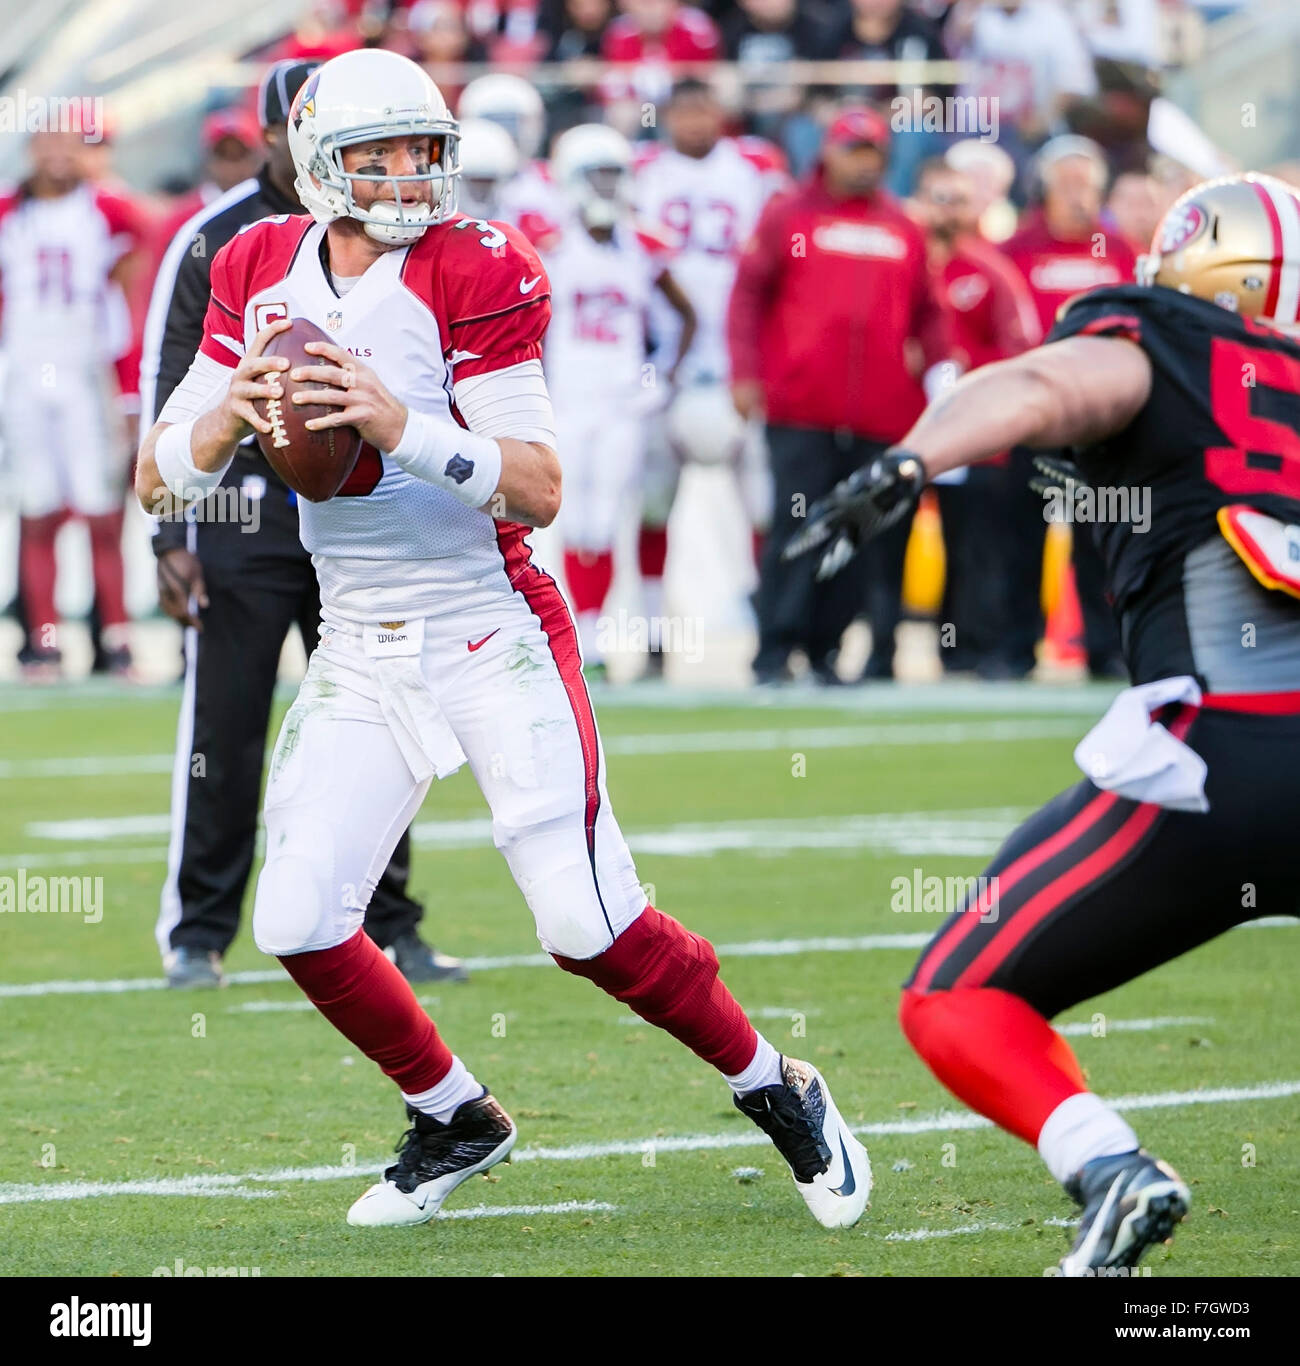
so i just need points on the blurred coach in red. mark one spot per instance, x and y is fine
(833, 322)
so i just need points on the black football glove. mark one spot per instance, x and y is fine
(869, 501)
(1058, 473)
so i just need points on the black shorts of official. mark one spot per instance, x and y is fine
(1094, 890)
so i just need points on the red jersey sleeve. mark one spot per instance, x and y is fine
(127, 224)
(256, 256)
(223, 323)
(489, 292)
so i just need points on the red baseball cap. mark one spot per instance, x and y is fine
(859, 124)
(231, 123)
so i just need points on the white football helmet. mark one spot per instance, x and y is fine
(592, 165)
(511, 102)
(364, 95)
(488, 159)
(704, 426)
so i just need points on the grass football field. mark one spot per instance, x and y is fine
(144, 1127)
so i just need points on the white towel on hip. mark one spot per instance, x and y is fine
(1128, 753)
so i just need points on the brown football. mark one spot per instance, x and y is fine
(315, 464)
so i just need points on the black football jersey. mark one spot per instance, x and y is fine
(1221, 427)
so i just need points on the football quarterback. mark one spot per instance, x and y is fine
(442, 642)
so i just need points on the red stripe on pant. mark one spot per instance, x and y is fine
(543, 596)
(1002, 883)
(1070, 883)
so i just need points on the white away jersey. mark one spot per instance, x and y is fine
(600, 296)
(531, 200)
(711, 204)
(55, 259)
(468, 299)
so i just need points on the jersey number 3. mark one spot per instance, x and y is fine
(1265, 453)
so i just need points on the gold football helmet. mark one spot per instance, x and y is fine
(1236, 242)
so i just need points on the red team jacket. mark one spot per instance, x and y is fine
(993, 314)
(1057, 269)
(827, 292)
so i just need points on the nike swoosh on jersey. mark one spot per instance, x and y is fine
(526, 286)
(478, 644)
(457, 356)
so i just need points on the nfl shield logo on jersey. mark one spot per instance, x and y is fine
(334, 320)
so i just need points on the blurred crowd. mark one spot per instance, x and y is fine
(663, 158)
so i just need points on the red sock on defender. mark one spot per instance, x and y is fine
(589, 574)
(652, 551)
(995, 1052)
(107, 568)
(37, 572)
(669, 976)
(363, 995)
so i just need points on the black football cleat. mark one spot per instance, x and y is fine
(421, 962)
(194, 968)
(1130, 1202)
(831, 1169)
(433, 1159)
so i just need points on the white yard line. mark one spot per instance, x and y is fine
(793, 739)
(754, 948)
(920, 1235)
(974, 832)
(1087, 1029)
(951, 696)
(943, 1122)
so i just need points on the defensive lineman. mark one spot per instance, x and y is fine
(444, 642)
(1189, 389)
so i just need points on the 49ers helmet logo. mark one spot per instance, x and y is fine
(1180, 227)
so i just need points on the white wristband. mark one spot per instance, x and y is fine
(176, 466)
(442, 453)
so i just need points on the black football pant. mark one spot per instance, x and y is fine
(260, 586)
(1025, 532)
(972, 618)
(1094, 890)
(794, 611)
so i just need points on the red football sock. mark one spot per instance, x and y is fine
(106, 565)
(669, 976)
(993, 1051)
(589, 574)
(38, 570)
(363, 995)
(652, 551)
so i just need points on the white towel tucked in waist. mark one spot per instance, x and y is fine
(1128, 753)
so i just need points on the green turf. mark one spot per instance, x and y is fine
(153, 1085)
